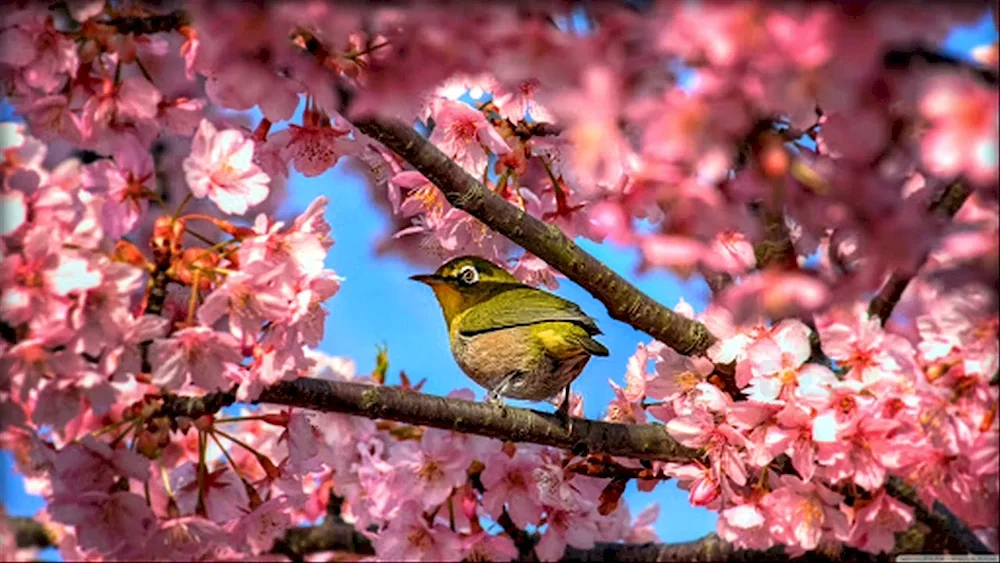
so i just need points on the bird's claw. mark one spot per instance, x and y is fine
(563, 415)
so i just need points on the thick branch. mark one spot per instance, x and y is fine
(624, 301)
(946, 531)
(646, 441)
(885, 301)
(29, 533)
(148, 25)
(776, 248)
(904, 58)
(329, 536)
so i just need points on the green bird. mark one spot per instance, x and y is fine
(512, 339)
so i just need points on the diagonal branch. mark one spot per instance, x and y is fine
(945, 206)
(624, 301)
(904, 58)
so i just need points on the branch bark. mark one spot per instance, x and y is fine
(946, 206)
(338, 536)
(624, 301)
(28, 533)
(776, 248)
(644, 441)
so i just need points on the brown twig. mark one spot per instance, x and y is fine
(946, 206)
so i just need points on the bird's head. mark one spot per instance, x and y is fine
(466, 281)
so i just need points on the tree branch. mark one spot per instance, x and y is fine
(947, 205)
(624, 301)
(331, 535)
(148, 25)
(645, 441)
(776, 248)
(946, 531)
(904, 58)
(30, 533)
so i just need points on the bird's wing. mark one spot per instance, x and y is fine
(525, 306)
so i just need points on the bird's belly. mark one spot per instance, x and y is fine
(490, 357)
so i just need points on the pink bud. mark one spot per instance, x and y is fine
(704, 491)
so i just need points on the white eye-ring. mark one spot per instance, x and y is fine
(468, 275)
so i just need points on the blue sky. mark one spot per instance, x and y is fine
(377, 304)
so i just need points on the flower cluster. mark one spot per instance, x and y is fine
(805, 453)
(782, 151)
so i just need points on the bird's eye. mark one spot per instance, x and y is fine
(468, 275)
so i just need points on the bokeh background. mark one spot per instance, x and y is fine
(378, 305)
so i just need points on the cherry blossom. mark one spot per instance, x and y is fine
(221, 168)
(149, 261)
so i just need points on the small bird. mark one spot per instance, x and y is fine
(512, 339)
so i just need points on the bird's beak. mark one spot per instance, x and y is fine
(429, 279)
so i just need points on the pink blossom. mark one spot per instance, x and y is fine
(803, 514)
(701, 482)
(677, 375)
(746, 526)
(519, 102)
(565, 528)
(511, 481)
(731, 252)
(91, 465)
(316, 145)
(431, 469)
(251, 296)
(484, 546)
(463, 134)
(724, 443)
(776, 359)
(221, 168)
(680, 254)
(102, 313)
(225, 498)
(962, 321)
(302, 248)
(304, 441)
(44, 57)
(962, 138)
(38, 282)
(876, 523)
(126, 359)
(198, 355)
(862, 452)
(124, 185)
(265, 523)
(609, 220)
(641, 530)
(793, 434)
(105, 522)
(860, 344)
(409, 538)
(188, 538)
(775, 294)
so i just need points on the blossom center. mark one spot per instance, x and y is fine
(463, 129)
(430, 471)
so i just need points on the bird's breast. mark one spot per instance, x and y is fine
(489, 357)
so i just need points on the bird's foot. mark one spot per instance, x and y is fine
(562, 413)
(494, 398)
